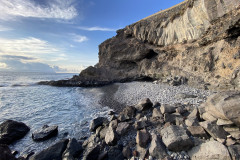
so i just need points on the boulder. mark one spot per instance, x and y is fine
(234, 151)
(176, 139)
(141, 152)
(209, 150)
(157, 150)
(214, 130)
(10, 131)
(92, 153)
(113, 124)
(115, 153)
(222, 122)
(191, 122)
(127, 152)
(143, 138)
(100, 121)
(45, 133)
(224, 105)
(157, 113)
(138, 125)
(5, 153)
(197, 131)
(208, 117)
(112, 137)
(53, 152)
(172, 118)
(128, 113)
(144, 104)
(103, 132)
(166, 108)
(73, 150)
(122, 128)
(194, 114)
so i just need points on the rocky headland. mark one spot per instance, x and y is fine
(192, 53)
(196, 42)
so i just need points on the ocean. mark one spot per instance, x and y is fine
(71, 108)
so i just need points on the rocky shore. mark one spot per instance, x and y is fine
(195, 126)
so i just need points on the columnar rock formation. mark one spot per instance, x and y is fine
(197, 39)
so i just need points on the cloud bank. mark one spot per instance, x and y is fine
(57, 9)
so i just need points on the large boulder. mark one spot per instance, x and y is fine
(176, 139)
(144, 104)
(209, 150)
(143, 137)
(214, 130)
(54, 152)
(224, 105)
(112, 137)
(10, 131)
(122, 128)
(73, 150)
(45, 133)
(92, 153)
(5, 153)
(157, 149)
(115, 153)
(127, 113)
(97, 122)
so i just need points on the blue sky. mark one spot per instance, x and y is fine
(63, 35)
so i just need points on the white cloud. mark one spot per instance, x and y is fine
(79, 38)
(3, 65)
(58, 9)
(3, 28)
(25, 46)
(97, 29)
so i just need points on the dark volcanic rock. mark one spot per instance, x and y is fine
(97, 122)
(144, 105)
(73, 150)
(176, 139)
(115, 153)
(10, 131)
(127, 113)
(92, 153)
(45, 133)
(5, 153)
(52, 153)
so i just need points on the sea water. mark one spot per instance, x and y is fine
(71, 108)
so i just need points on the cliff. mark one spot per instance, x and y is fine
(196, 42)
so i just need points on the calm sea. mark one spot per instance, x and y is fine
(71, 108)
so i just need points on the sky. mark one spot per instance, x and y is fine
(63, 35)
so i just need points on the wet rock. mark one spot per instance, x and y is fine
(209, 150)
(166, 108)
(128, 113)
(115, 153)
(157, 149)
(53, 152)
(92, 153)
(234, 151)
(45, 133)
(143, 138)
(112, 137)
(127, 152)
(122, 128)
(197, 131)
(5, 153)
(176, 139)
(10, 131)
(214, 130)
(100, 121)
(73, 150)
(144, 104)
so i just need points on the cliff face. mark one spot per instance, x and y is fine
(197, 39)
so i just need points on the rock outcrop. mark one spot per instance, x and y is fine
(196, 42)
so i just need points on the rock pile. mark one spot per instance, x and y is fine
(156, 132)
(162, 131)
